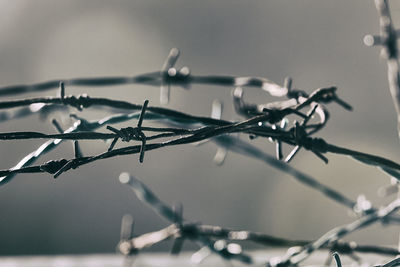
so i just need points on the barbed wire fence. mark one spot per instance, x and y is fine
(270, 121)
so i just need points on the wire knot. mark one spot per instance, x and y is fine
(84, 101)
(80, 102)
(303, 139)
(129, 133)
(57, 167)
(296, 94)
(344, 247)
(53, 166)
(327, 95)
(277, 115)
(189, 230)
(313, 144)
(132, 133)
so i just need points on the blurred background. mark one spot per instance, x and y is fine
(317, 43)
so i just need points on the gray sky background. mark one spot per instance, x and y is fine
(317, 43)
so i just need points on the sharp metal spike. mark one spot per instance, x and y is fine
(57, 126)
(77, 149)
(168, 64)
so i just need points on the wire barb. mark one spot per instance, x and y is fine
(62, 91)
(129, 133)
(124, 245)
(168, 71)
(337, 259)
(178, 242)
(302, 139)
(77, 149)
(57, 126)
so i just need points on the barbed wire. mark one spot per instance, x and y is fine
(297, 136)
(339, 232)
(393, 263)
(226, 141)
(165, 78)
(260, 120)
(388, 40)
(182, 229)
(217, 130)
